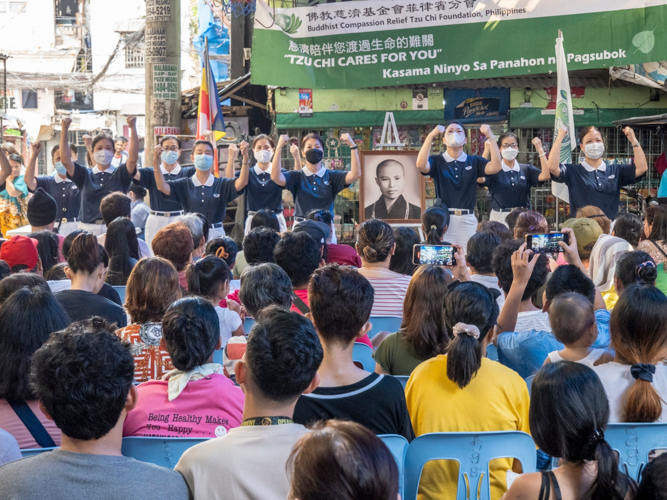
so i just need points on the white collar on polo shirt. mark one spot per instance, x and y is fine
(601, 168)
(195, 181)
(109, 170)
(59, 179)
(175, 171)
(506, 168)
(448, 158)
(319, 173)
(259, 171)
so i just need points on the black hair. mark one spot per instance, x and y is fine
(170, 137)
(474, 305)
(299, 255)
(137, 190)
(401, 262)
(207, 275)
(283, 354)
(259, 245)
(569, 412)
(340, 300)
(385, 163)
(570, 279)
(654, 480)
(73, 149)
(67, 242)
(480, 251)
(505, 136)
(629, 227)
(56, 273)
(191, 331)
(4, 267)
(375, 240)
(120, 138)
(455, 122)
(19, 280)
(47, 248)
(56, 148)
(82, 376)
(636, 267)
(122, 246)
(324, 216)
(435, 221)
(502, 268)
(265, 218)
(84, 255)
(264, 285)
(115, 205)
(205, 225)
(225, 248)
(513, 217)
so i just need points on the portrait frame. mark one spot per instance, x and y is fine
(368, 188)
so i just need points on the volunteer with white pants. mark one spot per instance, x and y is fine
(510, 188)
(203, 192)
(455, 174)
(163, 211)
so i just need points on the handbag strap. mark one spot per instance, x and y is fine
(300, 304)
(32, 423)
(659, 248)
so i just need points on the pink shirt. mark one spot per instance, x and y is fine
(11, 423)
(206, 408)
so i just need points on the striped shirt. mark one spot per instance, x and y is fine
(390, 288)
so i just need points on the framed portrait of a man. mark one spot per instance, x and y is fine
(391, 188)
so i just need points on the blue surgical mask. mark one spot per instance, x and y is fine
(169, 157)
(203, 162)
(60, 168)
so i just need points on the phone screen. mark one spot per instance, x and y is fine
(546, 243)
(441, 255)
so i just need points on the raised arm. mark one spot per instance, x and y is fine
(163, 186)
(294, 149)
(133, 155)
(641, 166)
(425, 150)
(242, 181)
(494, 166)
(65, 152)
(29, 176)
(545, 175)
(355, 169)
(232, 152)
(277, 175)
(554, 156)
(5, 168)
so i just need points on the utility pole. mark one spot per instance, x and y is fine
(162, 60)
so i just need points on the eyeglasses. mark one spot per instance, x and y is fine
(172, 148)
(514, 145)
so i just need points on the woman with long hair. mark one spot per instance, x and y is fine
(422, 335)
(435, 221)
(123, 248)
(402, 261)
(655, 228)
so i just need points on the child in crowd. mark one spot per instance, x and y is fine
(209, 278)
(340, 301)
(654, 480)
(573, 323)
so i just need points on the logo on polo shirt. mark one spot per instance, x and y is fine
(522, 178)
(612, 176)
(469, 168)
(216, 195)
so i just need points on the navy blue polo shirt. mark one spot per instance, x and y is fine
(314, 192)
(600, 188)
(261, 192)
(512, 189)
(157, 200)
(66, 194)
(95, 185)
(210, 199)
(456, 181)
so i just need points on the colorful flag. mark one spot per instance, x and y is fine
(564, 116)
(209, 114)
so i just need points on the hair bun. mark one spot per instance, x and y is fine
(646, 273)
(370, 253)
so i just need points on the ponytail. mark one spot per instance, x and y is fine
(464, 354)
(435, 221)
(642, 402)
(206, 275)
(192, 277)
(609, 484)
(84, 254)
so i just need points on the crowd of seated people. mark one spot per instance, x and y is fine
(252, 349)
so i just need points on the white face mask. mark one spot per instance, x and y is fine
(594, 150)
(509, 153)
(455, 140)
(263, 155)
(103, 156)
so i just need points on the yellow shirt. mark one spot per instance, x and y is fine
(496, 399)
(610, 298)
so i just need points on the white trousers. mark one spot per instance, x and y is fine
(216, 232)
(460, 230)
(156, 222)
(96, 229)
(67, 227)
(281, 222)
(498, 216)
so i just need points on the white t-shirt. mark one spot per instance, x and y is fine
(229, 323)
(533, 320)
(491, 282)
(389, 288)
(249, 463)
(589, 360)
(616, 379)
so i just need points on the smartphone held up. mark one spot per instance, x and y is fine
(440, 255)
(546, 243)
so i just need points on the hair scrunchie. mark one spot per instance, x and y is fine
(470, 330)
(433, 226)
(595, 438)
(643, 371)
(641, 266)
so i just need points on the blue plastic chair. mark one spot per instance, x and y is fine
(403, 379)
(121, 292)
(398, 446)
(529, 383)
(31, 452)
(390, 324)
(633, 442)
(473, 451)
(492, 352)
(248, 324)
(363, 354)
(217, 356)
(159, 451)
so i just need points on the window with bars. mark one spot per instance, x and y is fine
(134, 56)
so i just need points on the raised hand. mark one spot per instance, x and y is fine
(537, 142)
(347, 138)
(65, 123)
(486, 130)
(245, 150)
(36, 147)
(630, 134)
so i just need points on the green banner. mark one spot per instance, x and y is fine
(376, 43)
